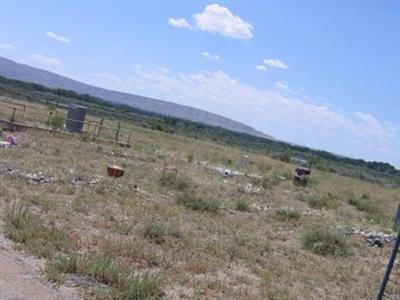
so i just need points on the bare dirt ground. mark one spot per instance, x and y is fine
(20, 277)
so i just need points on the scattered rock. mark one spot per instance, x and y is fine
(372, 239)
(228, 173)
(255, 207)
(4, 144)
(250, 189)
(311, 212)
(77, 280)
(91, 180)
(33, 177)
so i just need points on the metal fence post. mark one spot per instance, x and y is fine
(392, 258)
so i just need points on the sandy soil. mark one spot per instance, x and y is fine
(20, 277)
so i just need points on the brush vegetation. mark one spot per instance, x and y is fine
(175, 228)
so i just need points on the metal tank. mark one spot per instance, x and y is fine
(75, 118)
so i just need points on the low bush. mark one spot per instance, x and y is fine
(160, 231)
(326, 201)
(125, 282)
(194, 202)
(325, 241)
(56, 121)
(242, 205)
(173, 180)
(370, 208)
(32, 235)
(288, 214)
(270, 181)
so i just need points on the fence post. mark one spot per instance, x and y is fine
(94, 132)
(392, 258)
(13, 115)
(99, 127)
(117, 132)
(129, 138)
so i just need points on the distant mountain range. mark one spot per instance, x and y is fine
(14, 70)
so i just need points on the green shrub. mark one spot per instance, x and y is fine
(370, 208)
(270, 181)
(173, 180)
(28, 230)
(160, 231)
(288, 214)
(158, 127)
(324, 240)
(56, 121)
(264, 167)
(317, 202)
(190, 158)
(191, 201)
(125, 282)
(51, 106)
(326, 201)
(286, 156)
(242, 205)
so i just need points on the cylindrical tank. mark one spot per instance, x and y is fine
(75, 118)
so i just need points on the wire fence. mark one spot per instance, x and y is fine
(54, 117)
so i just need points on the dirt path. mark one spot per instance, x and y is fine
(20, 277)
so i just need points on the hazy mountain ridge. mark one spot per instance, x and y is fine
(14, 70)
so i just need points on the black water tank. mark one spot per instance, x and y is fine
(75, 118)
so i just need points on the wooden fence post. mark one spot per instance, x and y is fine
(89, 122)
(13, 115)
(99, 127)
(117, 132)
(49, 119)
(129, 138)
(94, 132)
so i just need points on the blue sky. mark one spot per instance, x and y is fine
(319, 74)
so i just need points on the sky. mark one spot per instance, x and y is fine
(313, 73)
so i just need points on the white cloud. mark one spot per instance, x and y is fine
(7, 47)
(180, 23)
(210, 56)
(372, 127)
(57, 37)
(43, 60)
(281, 85)
(275, 63)
(261, 68)
(276, 111)
(219, 19)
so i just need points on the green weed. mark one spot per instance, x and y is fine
(191, 201)
(324, 240)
